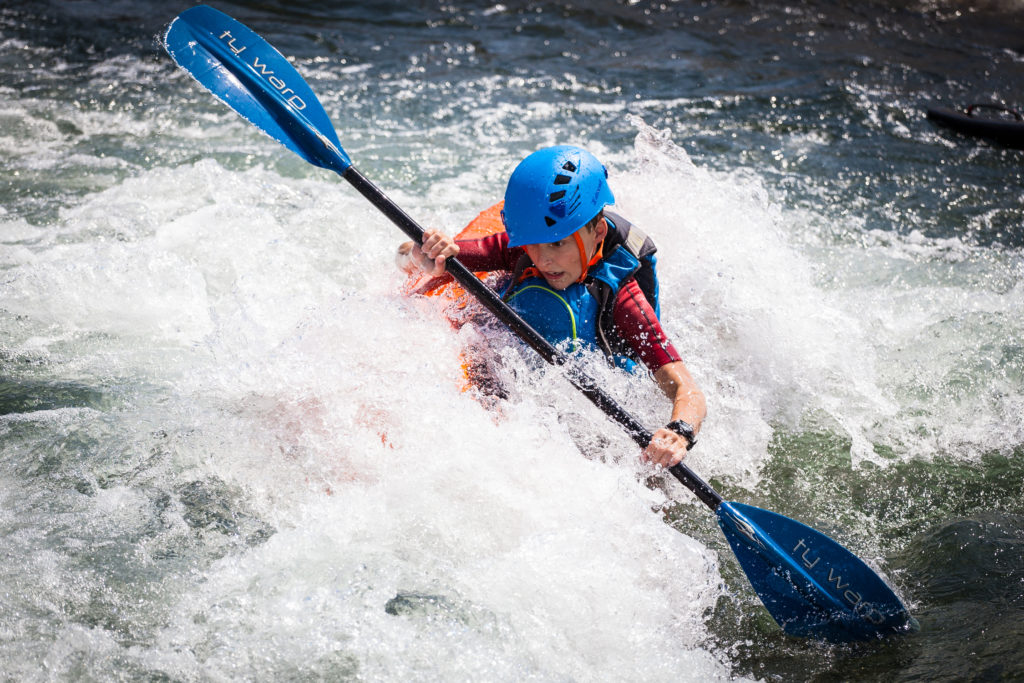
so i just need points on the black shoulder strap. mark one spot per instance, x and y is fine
(628, 235)
(522, 264)
(610, 342)
(625, 234)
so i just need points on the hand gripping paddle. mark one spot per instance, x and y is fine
(811, 585)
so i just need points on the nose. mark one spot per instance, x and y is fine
(544, 257)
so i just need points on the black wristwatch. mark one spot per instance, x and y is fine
(685, 430)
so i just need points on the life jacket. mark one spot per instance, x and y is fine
(584, 313)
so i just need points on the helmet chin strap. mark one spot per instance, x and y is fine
(584, 261)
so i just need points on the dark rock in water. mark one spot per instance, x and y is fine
(26, 396)
(994, 122)
(409, 604)
(209, 506)
(440, 608)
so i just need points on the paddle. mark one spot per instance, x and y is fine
(810, 584)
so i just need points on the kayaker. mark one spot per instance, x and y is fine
(580, 274)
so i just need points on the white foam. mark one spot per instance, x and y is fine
(257, 318)
(783, 325)
(305, 381)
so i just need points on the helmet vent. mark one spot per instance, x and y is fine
(555, 196)
(549, 220)
(569, 166)
(562, 179)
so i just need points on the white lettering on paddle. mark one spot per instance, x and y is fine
(262, 69)
(855, 600)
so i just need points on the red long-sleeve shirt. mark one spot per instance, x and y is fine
(635, 320)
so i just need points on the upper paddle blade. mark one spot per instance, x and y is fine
(255, 80)
(811, 585)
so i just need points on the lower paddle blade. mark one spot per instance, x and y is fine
(253, 78)
(811, 585)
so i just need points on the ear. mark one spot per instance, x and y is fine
(601, 229)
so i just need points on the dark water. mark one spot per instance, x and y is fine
(864, 372)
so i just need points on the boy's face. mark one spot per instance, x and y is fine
(559, 262)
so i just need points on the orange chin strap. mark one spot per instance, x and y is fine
(598, 255)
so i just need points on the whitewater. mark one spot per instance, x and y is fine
(232, 449)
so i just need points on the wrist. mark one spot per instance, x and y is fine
(685, 430)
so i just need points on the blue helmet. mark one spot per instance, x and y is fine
(553, 193)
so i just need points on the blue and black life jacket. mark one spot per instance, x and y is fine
(585, 312)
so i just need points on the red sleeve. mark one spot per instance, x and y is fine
(487, 253)
(636, 323)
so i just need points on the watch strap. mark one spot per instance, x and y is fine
(685, 430)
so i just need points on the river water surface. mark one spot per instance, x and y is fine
(230, 449)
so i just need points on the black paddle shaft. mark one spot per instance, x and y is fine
(490, 299)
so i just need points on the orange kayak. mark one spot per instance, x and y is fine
(477, 371)
(486, 223)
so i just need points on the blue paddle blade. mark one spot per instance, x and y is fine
(254, 79)
(812, 586)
